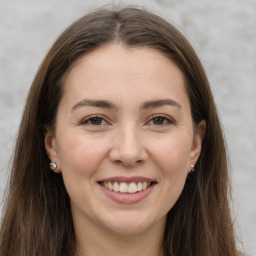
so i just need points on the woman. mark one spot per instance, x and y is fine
(120, 149)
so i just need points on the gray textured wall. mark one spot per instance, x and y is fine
(223, 34)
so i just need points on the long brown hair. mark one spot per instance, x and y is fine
(37, 217)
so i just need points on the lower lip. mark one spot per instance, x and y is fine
(126, 198)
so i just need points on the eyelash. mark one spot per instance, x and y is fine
(166, 120)
(90, 118)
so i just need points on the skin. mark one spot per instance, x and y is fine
(127, 140)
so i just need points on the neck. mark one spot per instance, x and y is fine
(97, 242)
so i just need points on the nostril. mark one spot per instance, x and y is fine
(126, 162)
(131, 163)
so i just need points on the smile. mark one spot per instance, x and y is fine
(125, 187)
(127, 190)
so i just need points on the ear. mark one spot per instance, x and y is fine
(51, 148)
(197, 143)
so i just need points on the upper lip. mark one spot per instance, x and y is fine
(127, 179)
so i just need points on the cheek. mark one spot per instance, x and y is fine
(79, 159)
(172, 154)
(79, 155)
(172, 161)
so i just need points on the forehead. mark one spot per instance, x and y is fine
(123, 58)
(110, 70)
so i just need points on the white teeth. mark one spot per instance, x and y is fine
(116, 187)
(124, 187)
(139, 186)
(144, 185)
(109, 186)
(132, 188)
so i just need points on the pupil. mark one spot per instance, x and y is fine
(158, 120)
(96, 121)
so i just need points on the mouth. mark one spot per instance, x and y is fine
(126, 187)
(127, 190)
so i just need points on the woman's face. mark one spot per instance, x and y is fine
(124, 139)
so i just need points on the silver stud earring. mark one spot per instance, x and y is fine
(53, 166)
(192, 167)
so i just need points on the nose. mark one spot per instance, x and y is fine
(127, 147)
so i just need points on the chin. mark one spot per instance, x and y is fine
(133, 224)
(128, 229)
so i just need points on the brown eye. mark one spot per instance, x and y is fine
(160, 121)
(94, 121)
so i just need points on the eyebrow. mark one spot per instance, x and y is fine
(110, 105)
(160, 103)
(94, 103)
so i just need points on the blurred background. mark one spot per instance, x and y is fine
(223, 33)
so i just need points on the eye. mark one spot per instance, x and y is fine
(94, 121)
(160, 120)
